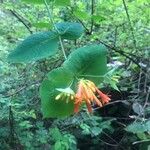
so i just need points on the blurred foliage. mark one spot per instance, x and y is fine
(123, 124)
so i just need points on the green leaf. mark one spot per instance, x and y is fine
(61, 145)
(138, 109)
(85, 128)
(81, 14)
(35, 47)
(88, 62)
(70, 30)
(55, 134)
(62, 2)
(36, 1)
(56, 2)
(113, 84)
(141, 136)
(42, 25)
(97, 18)
(96, 130)
(139, 127)
(58, 78)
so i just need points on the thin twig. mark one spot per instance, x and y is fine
(139, 81)
(11, 127)
(122, 53)
(62, 47)
(87, 30)
(84, 26)
(145, 82)
(111, 103)
(129, 20)
(92, 12)
(21, 20)
(113, 140)
(115, 36)
(16, 92)
(20, 89)
(147, 98)
(138, 142)
(114, 145)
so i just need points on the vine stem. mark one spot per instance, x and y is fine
(62, 47)
(129, 20)
(50, 15)
(92, 12)
(52, 22)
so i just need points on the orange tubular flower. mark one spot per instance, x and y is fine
(86, 93)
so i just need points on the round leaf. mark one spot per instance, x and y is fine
(88, 62)
(58, 78)
(70, 30)
(35, 47)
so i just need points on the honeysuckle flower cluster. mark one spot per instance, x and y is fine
(88, 93)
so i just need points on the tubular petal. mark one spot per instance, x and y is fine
(97, 101)
(86, 93)
(76, 107)
(103, 96)
(89, 107)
